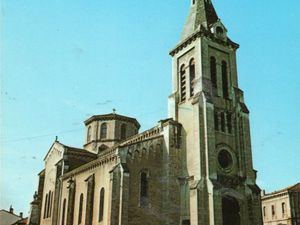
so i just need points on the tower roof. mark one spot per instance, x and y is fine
(202, 12)
(112, 116)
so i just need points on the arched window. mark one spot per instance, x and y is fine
(193, 2)
(216, 121)
(192, 76)
(50, 196)
(224, 79)
(63, 213)
(222, 121)
(45, 206)
(213, 71)
(89, 133)
(273, 210)
(103, 131)
(219, 30)
(143, 189)
(80, 209)
(48, 205)
(182, 83)
(101, 205)
(123, 131)
(283, 208)
(229, 122)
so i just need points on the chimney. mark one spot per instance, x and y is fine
(21, 215)
(11, 210)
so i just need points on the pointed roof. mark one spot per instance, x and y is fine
(202, 12)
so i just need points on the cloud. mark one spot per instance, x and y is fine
(104, 103)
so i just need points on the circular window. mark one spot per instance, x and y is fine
(219, 31)
(225, 159)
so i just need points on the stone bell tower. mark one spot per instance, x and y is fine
(220, 182)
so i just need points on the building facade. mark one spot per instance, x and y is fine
(195, 167)
(282, 207)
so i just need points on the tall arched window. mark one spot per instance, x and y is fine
(103, 131)
(216, 120)
(229, 122)
(224, 80)
(45, 206)
(123, 131)
(63, 212)
(143, 189)
(213, 71)
(49, 204)
(192, 76)
(80, 209)
(182, 83)
(222, 121)
(101, 204)
(89, 133)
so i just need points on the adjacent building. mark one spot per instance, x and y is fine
(10, 218)
(282, 207)
(194, 167)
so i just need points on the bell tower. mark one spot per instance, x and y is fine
(220, 185)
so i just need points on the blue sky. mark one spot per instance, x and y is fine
(63, 61)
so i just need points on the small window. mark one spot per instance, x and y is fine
(123, 131)
(224, 80)
(102, 148)
(192, 76)
(103, 131)
(101, 205)
(283, 208)
(213, 71)
(89, 133)
(222, 121)
(264, 211)
(143, 189)
(273, 210)
(63, 212)
(182, 83)
(193, 2)
(80, 209)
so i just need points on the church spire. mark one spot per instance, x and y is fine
(202, 12)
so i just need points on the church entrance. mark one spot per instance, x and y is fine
(230, 211)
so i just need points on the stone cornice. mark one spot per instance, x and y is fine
(109, 157)
(202, 32)
(112, 116)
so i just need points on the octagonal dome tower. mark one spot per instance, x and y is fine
(104, 131)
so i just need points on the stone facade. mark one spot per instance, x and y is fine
(193, 168)
(282, 207)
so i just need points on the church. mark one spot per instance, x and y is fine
(192, 168)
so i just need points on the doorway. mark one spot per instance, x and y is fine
(230, 211)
